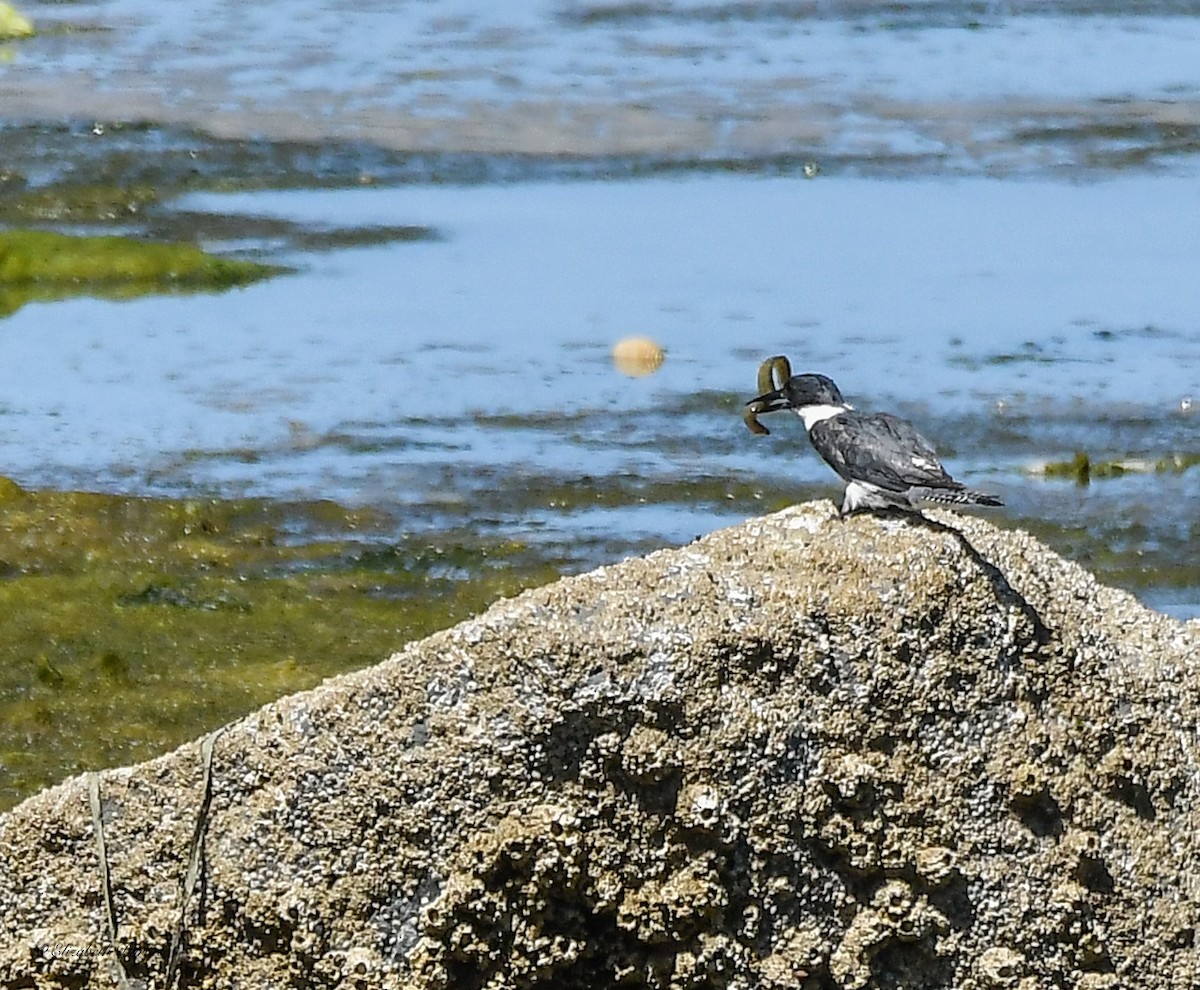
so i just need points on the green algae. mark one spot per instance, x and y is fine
(130, 625)
(41, 266)
(1078, 469)
(14, 24)
(1083, 469)
(1176, 463)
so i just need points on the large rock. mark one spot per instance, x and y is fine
(798, 752)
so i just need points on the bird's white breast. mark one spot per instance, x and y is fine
(815, 414)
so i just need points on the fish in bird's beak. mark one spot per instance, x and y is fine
(773, 374)
(770, 402)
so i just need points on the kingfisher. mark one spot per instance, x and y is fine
(885, 462)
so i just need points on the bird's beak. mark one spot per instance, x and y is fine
(770, 402)
(767, 403)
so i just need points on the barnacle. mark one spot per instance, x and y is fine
(773, 374)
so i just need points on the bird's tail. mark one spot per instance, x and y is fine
(959, 496)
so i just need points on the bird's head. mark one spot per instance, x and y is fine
(798, 392)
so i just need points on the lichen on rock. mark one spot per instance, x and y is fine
(800, 752)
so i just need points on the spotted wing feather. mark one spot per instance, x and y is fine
(881, 450)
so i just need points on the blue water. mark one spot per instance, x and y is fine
(1000, 242)
(1003, 301)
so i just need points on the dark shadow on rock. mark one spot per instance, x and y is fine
(908, 965)
(1005, 592)
(1040, 813)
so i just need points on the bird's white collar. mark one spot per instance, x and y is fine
(815, 414)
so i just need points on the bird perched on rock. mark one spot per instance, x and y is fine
(886, 463)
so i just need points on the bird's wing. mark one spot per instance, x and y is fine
(881, 450)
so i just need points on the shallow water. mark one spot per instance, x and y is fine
(575, 173)
(1031, 305)
(1008, 86)
(463, 374)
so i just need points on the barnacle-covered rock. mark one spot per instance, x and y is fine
(799, 753)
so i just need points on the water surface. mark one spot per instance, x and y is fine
(1018, 322)
(1002, 86)
(999, 242)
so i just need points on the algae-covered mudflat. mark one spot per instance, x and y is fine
(129, 625)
